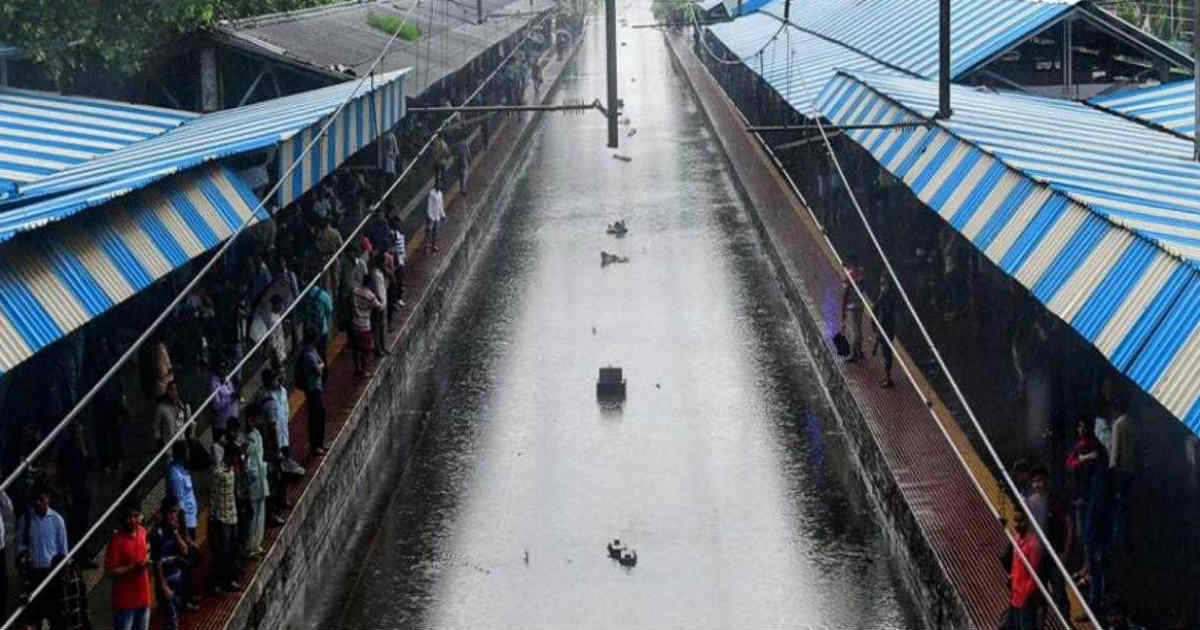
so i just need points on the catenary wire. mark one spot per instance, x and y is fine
(153, 463)
(895, 280)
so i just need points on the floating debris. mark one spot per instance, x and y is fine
(632, 133)
(628, 559)
(623, 158)
(618, 228)
(615, 549)
(607, 259)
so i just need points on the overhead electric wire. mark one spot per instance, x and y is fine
(1018, 497)
(153, 463)
(27, 460)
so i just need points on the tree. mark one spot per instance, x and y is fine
(71, 39)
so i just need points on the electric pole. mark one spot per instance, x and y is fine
(944, 59)
(1196, 80)
(610, 31)
(479, 10)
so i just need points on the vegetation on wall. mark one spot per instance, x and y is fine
(391, 23)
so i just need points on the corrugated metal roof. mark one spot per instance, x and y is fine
(204, 139)
(359, 124)
(1171, 106)
(904, 33)
(75, 270)
(1083, 208)
(338, 35)
(899, 36)
(43, 133)
(797, 64)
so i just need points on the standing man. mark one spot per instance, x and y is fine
(328, 240)
(277, 341)
(317, 314)
(391, 153)
(365, 305)
(257, 486)
(464, 163)
(885, 312)
(171, 416)
(441, 162)
(172, 554)
(310, 376)
(1123, 464)
(224, 523)
(379, 286)
(277, 414)
(852, 306)
(41, 544)
(127, 564)
(398, 250)
(181, 489)
(435, 213)
(1024, 599)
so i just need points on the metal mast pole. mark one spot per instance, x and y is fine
(1196, 80)
(610, 31)
(944, 59)
(479, 10)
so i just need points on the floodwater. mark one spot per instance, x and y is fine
(723, 468)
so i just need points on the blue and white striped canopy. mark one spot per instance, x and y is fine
(1098, 216)
(68, 273)
(42, 134)
(898, 36)
(204, 139)
(795, 63)
(358, 124)
(1171, 106)
(904, 33)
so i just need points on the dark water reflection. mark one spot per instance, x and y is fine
(722, 468)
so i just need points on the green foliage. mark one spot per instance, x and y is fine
(74, 38)
(390, 23)
(673, 11)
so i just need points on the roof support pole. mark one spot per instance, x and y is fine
(210, 96)
(787, 10)
(610, 36)
(479, 10)
(1196, 80)
(944, 59)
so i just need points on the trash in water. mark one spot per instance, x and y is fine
(623, 158)
(632, 132)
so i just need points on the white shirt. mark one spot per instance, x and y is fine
(399, 247)
(434, 210)
(379, 284)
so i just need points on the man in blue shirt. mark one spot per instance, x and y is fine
(179, 484)
(41, 544)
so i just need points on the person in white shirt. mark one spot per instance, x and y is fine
(399, 253)
(1122, 461)
(435, 213)
(379, 320)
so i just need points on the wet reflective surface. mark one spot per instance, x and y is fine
(722, 469)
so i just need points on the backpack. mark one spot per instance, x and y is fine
(841, 345)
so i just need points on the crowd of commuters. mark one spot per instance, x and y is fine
(1086, 522)
(236, 477)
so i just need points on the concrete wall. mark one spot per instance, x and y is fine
(381, 432)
